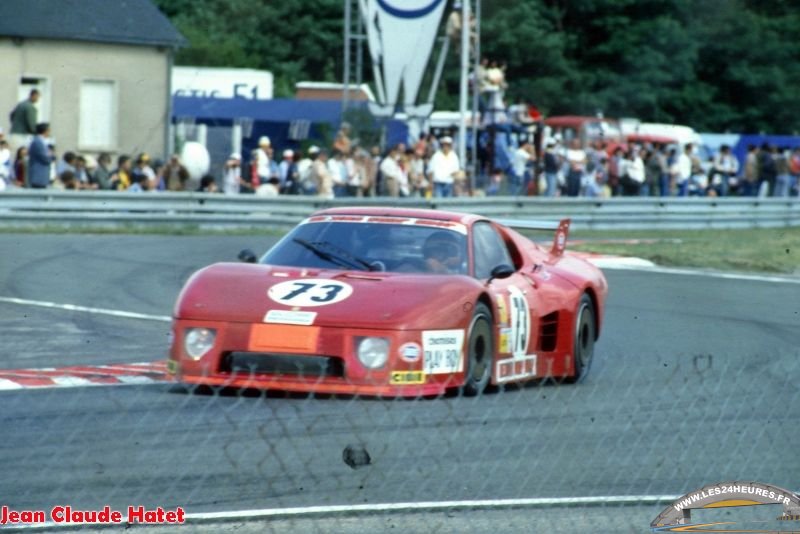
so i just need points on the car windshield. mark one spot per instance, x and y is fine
(368, 246)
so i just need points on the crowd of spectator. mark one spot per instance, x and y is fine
(667, 170)
(429, 167)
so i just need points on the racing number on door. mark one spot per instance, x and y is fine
(520, 322)
(310, 292)
(331, 290)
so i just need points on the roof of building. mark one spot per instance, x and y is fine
(135, 22)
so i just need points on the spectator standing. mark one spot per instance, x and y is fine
(634, 173)
(5, 163)
(794, 172)
(323, 181)
(576, 160)
(782, 176)
(750, 183)
(652, 172)
(444, 168)
(102, 173)
(40, 158)
(82, 174)
(684, 170)
(66, 163)
(552, 166)
(307, 185)
(392, 172)
(175, 174)
(342, 142)
(288, 174)
(767, 172)
(415, 164)
(143, 173)
(724, 169)
(232, 181)
(615, 170)
(21, 167)
(338, 171)
(520, 166)
(23, 118)
(120, 179)
(264, 163)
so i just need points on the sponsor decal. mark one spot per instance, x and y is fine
(310, 292)
(407, 377)
(502, 310)
(677, 517)
(520, 317)
(516, 368)
(505, 340)
(442, 351)
(290, 317)
(410, 352)
(68, 515)
(172, 367)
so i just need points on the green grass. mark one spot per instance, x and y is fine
(758, 250)
(775, 250)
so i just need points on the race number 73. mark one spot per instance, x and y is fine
(311, 292)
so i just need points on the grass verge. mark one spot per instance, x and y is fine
(767, 250)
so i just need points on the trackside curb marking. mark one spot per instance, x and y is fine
(84, 376)
(85, 309)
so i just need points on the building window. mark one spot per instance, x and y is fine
(98, 119)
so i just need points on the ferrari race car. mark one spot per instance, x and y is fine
(394, 302)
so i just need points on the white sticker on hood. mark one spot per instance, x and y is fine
(290, 317)
(310, 292)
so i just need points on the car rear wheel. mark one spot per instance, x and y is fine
(480, 352)
(584, 338)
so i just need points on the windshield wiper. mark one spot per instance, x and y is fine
(332, 253)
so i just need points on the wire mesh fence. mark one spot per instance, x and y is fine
(693, 382)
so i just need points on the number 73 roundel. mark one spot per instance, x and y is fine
(310, 292)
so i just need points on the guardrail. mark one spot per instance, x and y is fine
(24, 207)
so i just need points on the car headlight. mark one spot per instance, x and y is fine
(373, 352)
(198, 341)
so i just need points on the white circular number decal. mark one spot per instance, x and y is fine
(310, 292)
(520, 318)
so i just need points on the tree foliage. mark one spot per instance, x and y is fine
(719, 65)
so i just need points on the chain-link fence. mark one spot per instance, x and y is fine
(693, 382)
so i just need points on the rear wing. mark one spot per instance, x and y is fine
(561, 229)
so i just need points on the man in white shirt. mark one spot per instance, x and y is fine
(392, 174)
(264, 159)
(684, 170)
(444, 168)
(232, 177)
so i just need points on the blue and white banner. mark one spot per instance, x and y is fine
(400, 35)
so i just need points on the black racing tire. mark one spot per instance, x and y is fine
(585, 334)
(480, 352)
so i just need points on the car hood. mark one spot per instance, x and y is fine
(237, 292)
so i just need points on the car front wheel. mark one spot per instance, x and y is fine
(584, 338)
(481, 350)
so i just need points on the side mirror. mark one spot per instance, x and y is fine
(501, 271)
(247, 256)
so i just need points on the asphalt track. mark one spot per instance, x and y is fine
(695, 382)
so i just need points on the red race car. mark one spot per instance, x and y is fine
(388, 301)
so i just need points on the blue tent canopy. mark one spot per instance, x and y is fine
(274, 117)
(226, 110)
